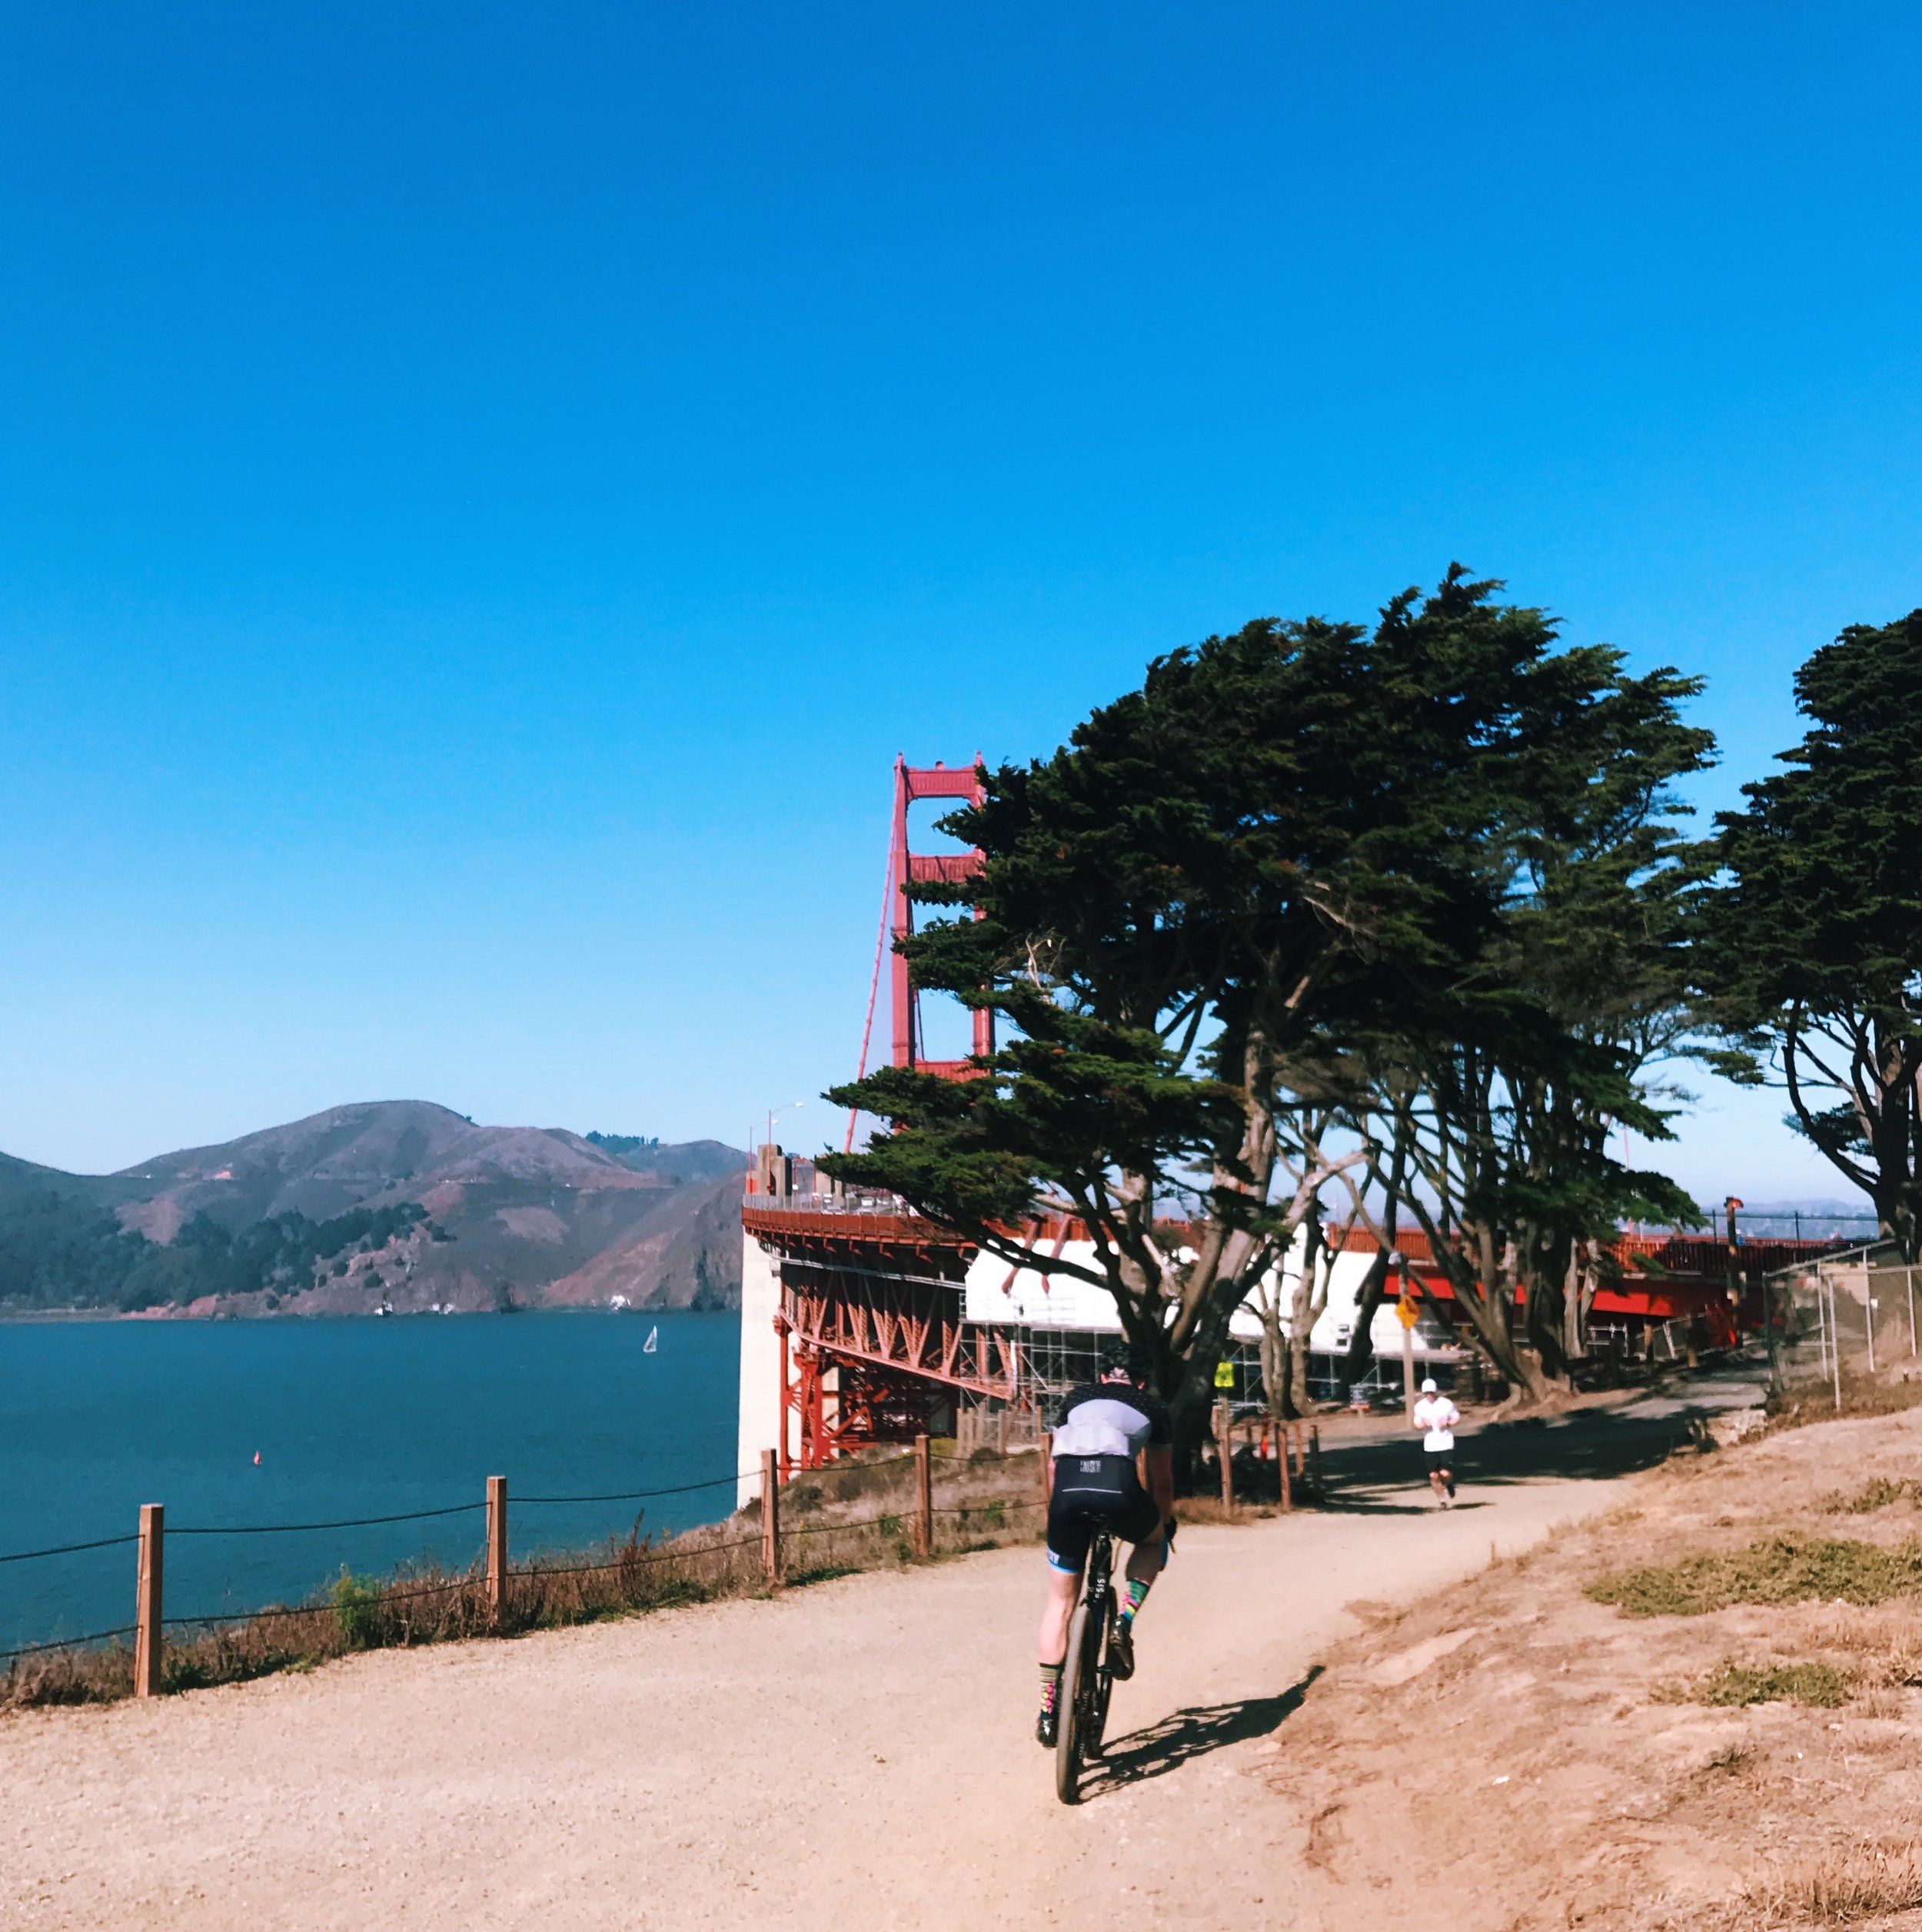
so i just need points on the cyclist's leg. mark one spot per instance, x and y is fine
(1069, 1532)
(1064, 1586)
(1140, 1525)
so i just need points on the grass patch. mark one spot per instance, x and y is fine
(1879, 1494)
(1773, 1569)
(1733, 1683)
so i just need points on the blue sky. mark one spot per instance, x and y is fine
(485, 491)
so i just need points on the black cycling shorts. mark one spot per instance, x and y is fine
(1092, 1491)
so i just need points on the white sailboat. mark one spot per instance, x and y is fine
(648, 1347)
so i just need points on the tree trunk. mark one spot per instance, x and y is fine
(1360, 1342)
(1488, 1301)
(1573, 1327)
(1310, 1297)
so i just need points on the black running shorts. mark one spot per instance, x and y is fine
(1091, 1491)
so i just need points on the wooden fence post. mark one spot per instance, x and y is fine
(1225, 1452)
(496, 1546)
(146, 1600)
(923, 1499)
(1044, 1441)
(1287, 1443)
(770, 1520)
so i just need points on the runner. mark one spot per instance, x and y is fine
(1436, 1417)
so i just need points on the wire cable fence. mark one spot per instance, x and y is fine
(492, 1596)
(68, 1549)
(67, 1643)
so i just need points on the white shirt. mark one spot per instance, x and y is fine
(1438, 1416)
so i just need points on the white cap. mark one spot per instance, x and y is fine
(1428, 1388)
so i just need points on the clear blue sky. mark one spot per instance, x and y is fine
(485, 491)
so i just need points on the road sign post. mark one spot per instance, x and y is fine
(1408, 1311)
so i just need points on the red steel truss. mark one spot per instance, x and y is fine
(873, 1337)
(912, 782)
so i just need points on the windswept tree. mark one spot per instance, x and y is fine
(1196, 924)
(1508, 1066)
(1813, 943)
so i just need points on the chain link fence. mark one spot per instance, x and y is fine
(1851, 1314)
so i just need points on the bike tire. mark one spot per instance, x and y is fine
(1100, 1688)
(1073, 1706)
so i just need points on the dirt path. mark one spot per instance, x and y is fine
(855, 1753)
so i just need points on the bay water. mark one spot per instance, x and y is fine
(348, 1418)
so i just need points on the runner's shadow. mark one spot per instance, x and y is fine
(1352, 1503)
(1183, 1736)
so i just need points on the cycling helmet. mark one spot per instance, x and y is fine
(1126, 1358)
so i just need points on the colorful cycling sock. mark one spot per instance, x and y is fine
(1137, 1596)
(1050, 1685)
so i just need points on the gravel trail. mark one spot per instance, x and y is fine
(855, 1753)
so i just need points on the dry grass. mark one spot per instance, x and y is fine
(1842, 1886)
(1879, 1493)
(620, 1579)
(423, 1606)
(1812, 1401)
(1786, 1568)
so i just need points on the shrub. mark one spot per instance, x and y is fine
(357, 1609)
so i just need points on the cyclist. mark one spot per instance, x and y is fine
(1113, 1466)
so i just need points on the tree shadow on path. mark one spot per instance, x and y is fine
(1596, 1445)
(1183, 1736)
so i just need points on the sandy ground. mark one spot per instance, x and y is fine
(856, 1752)
(1511, 1754)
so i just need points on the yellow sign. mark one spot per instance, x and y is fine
(1224, 1375)
(1409, 1310)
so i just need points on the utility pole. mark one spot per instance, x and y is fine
(1408, 1315)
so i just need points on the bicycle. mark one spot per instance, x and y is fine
(1086, 1677)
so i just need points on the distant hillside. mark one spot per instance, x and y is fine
(398, 1202)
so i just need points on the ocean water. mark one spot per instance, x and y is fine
(349, 1418)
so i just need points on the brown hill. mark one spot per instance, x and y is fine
(519, 1216)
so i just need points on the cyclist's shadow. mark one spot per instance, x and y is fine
(1183, 1736)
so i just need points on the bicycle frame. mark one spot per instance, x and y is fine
(1088, 1678)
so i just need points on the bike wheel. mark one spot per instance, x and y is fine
(1101, 1685)
(1077, 1679)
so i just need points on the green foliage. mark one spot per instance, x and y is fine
(1813, 945)
(618, 1144)
(1773, 1569)
(60, 1251)
(356, 1604)
(1508, 1066)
